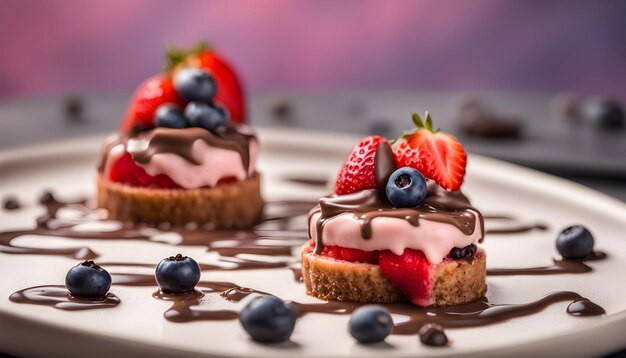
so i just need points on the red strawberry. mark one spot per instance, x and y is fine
(153, 92)
(437, 155)
(357, 173)
(411, 272)
(356, 255)
(126, 171)
(229, 90)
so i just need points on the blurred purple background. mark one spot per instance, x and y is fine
(69, 46)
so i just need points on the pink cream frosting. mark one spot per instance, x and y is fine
(215, 163)
(435, 239)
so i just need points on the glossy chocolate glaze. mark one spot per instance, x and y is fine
(279, 234)
(439, 205)
(58, 297)
(560, 266)
(180, 142)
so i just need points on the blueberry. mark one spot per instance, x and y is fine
(370, 324)
(605, 113)
(206, 116)
(575, 242)
(88, 280)
(268, 319)
(195, 84)
(177, 274)
(170, 116)
(406, 188)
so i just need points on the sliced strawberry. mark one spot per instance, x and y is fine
(357, 173)
(437, 155)
(411, 272)
(356, 255)
(126, 171)
(150, 94)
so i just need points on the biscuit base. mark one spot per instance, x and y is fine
(455, 281)
(235, 205)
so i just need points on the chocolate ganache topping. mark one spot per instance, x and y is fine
(439, 205)
(180, 142)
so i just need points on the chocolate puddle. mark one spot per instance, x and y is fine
(560, 266)
(58, 297)
(279, 234)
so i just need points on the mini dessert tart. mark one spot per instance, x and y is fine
(398, 228)
(180, 156)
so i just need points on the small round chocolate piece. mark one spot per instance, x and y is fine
(11, 204)
(432, 334)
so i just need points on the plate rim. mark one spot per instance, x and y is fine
(479, 165)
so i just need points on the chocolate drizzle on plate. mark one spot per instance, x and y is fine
(560, 266)
(281, 232)
(58, 297)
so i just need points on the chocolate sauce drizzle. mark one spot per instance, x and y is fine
(180, 142)
(560, 266)
(58, 297)
(281, 232)
(451, 208)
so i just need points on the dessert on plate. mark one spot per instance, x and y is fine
(183, 154)
(398, 227)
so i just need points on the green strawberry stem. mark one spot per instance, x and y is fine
(174, 56)
(427, 124)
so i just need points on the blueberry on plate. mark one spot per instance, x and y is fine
(575, 242)
(406, 188)
(207, 116)
(88, 280)
(177, 274)
(370, 324)
(268, 319)
(605, 113)
(170, 116)
(195, 84)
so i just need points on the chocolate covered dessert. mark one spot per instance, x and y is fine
(398, 228)
(183, 154)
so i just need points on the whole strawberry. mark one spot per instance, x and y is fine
(358, 172)
(229, 90)
(437, 155)
(150, 94)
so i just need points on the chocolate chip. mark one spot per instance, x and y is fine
(432, 334)
(11, 204)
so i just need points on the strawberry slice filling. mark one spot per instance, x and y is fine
(411, 272)
(127, 171)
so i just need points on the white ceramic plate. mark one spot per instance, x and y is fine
(137, 327)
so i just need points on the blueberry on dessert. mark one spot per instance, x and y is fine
(183, 153)
(370, 324)
(177, 274)
(398, 227)
(575, 242)
(268, 319)
(88, 280)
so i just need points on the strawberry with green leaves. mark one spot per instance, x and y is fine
(437, 155)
